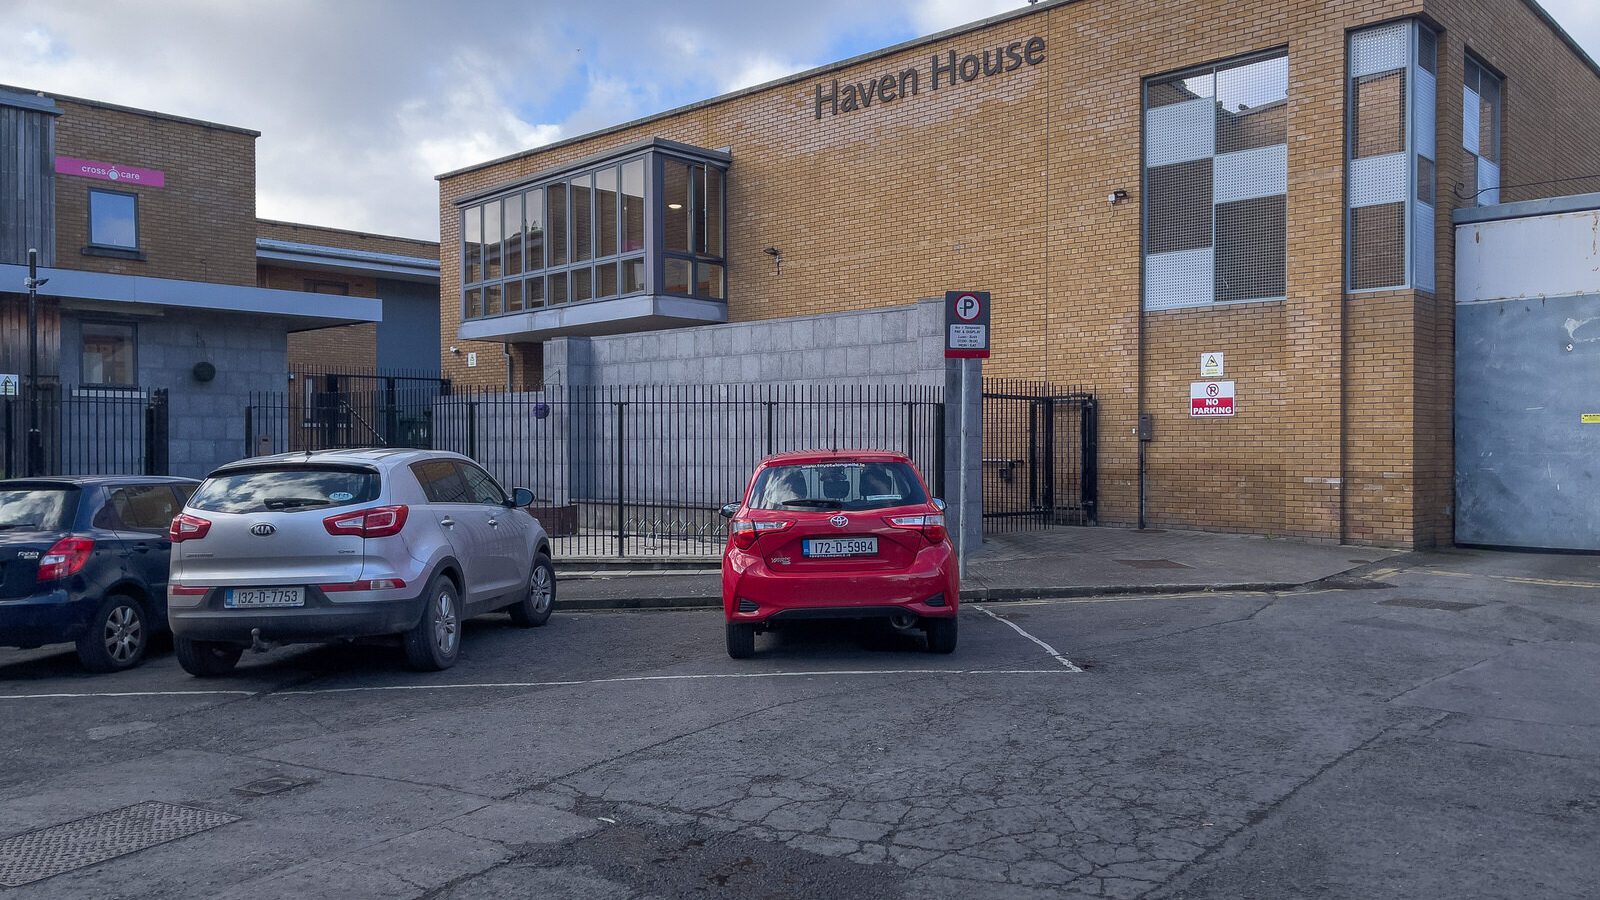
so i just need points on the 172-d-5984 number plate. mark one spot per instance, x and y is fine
(866, 546)
(254, 598)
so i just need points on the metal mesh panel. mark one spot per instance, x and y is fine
(1377, 246)
(1178, 201)
(1378, 119)
(1378, 179)
(1252, 105)
(1183, 278)
(1469, 120)
(1427, 50)
(1422, 244)
(1379, 49)
(1425, 90)
(1489, 118)
(1262, 172)
(1488, 182)
(1251, 249)
(1181, 132)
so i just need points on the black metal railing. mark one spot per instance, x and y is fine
(347, 408)
(642, 470)
(1040, 455)
(86, 431)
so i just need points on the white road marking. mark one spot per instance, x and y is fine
(1071, 666)
(512, 685)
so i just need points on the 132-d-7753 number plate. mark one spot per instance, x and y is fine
(840, 547)
(253, 598)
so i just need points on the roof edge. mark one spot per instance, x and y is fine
(350, 231)
(913, 43)
(1567, 38)
(134, 110)
(1522, 209)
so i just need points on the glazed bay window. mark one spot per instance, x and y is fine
(1216, 183)
(648, 220)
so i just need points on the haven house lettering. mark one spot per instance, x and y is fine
(943, 69)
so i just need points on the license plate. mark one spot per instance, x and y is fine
(840, 547)
(254, 598)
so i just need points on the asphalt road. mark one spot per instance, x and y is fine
(1429, 732)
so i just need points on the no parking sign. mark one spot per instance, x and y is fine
(966, 325)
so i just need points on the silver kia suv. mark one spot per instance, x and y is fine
(342, 544)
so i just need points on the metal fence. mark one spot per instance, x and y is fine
(1040, 456)
(640, 470)
(86, 431)
(350, 408)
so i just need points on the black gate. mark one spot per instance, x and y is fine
(85, 431)
(328, 410)
(1039, 456)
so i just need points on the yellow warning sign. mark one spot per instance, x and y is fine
(1591, 418)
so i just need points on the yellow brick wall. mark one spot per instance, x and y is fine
(1001, 184)
(199, 227)
(342, 348)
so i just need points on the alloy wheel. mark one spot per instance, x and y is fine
(445, 631)
(124, 634)
(542, 589)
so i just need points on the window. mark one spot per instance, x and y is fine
(108, 353)
(581, 234)
(1215, 184)
(441, 481)
(144, 507)
(480, 487)
(113, 219)
(328, 287)
(286, 489)
(1480, 132)
(1392, 179)
(848, 485)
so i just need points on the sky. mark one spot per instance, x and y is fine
(360, 103)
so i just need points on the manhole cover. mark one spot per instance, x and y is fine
(1153, 564)
(48, 852)
(274, 785)
(1419, 603)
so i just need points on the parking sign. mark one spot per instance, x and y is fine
(966, 325)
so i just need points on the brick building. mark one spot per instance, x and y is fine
(147, 236)
(1138, 184)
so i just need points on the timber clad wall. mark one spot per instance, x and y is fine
(1343, 429)
(199, 227)
(27, 185)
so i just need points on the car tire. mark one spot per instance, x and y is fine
(534, 609)
(741, 640)
(206, 659)
(941, 635)
(434, 643)
(118, 635)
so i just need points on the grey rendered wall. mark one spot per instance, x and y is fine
(1527, 466)
(408, 336)
(891, 345)
(206, 420)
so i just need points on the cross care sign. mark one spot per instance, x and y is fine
(966, 325)
(1210, 398)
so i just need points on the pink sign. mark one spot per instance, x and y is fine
(66, 165)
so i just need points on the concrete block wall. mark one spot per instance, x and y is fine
(887, 345)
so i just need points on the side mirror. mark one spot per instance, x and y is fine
(939, 504)
(728, 511)
(521, 498)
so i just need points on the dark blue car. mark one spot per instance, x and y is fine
(84, 560)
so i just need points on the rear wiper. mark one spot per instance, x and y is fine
(292, 502)
(807, 501)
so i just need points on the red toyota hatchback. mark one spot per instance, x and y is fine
(841, 534)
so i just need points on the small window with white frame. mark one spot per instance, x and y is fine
(109, 355)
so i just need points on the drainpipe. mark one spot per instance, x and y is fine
(505, 348)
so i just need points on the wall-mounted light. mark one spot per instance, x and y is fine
(674, 206)
(1117, 196)
(777, 257)
(454, 349)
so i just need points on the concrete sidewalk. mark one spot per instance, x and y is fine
(1061, 562)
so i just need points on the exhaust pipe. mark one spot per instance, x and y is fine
(903, 621)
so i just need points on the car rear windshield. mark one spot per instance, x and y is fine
(837, 485)
(46, 509)
(285, 489)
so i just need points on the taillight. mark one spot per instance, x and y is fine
(186, 590)
(931, 526)
(745, 531)
(187, 528)
(67, 557)
(380, 521)
(376, 584)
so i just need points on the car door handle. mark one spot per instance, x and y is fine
(447, 522)
(494, 523)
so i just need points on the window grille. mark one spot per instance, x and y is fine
(1216, 180)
